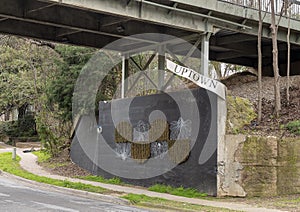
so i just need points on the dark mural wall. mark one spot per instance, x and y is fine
(196, 108)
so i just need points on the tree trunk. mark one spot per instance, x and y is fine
(218, 68)
(22, 111)
(259, 63)
(288, 69)
(275, 61)
(7, 116)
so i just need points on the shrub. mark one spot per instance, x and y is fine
(52, 131)
(293, 127)
(24, 127)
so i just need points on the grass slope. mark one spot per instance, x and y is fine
(13, 167)
(167, 205)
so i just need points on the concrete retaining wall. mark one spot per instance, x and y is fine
(259, 166)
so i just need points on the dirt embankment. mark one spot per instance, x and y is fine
(246, 86)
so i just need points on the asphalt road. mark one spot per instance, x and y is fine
(18, 197)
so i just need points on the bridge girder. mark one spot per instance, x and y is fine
(97, 23)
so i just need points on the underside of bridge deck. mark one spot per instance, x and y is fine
(231, 41)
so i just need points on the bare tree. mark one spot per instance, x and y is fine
(217, 66)
(288, 69)
(274, 30)
(260, 24)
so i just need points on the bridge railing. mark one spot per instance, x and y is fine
(266, 6)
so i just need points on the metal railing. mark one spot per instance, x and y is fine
(280, 6)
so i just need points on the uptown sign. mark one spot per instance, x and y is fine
(200, 80)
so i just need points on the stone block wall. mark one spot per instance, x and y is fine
(288, 162)
(259, 166)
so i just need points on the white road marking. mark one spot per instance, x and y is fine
(81, 202)
(50, 206)
(4, 195)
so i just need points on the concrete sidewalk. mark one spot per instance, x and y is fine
(29, 163)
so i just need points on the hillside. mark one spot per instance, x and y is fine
(246, 86)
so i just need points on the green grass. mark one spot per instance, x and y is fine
(13, 167)
(42, 156)
(115, 180)
(167, 205)
(44, 159)
(181, 191)
(288, 204)
(297, 200)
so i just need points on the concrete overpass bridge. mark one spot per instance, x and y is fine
(224, 30)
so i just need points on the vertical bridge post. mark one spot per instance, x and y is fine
(124, 76)
(205, 54)
(161, 66)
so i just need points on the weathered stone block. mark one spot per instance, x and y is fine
(262, 166)
(288, 180)
(289, 166)
(258, 151)
(289, 152)
(259, 180)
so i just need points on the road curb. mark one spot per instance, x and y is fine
(80, 193)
